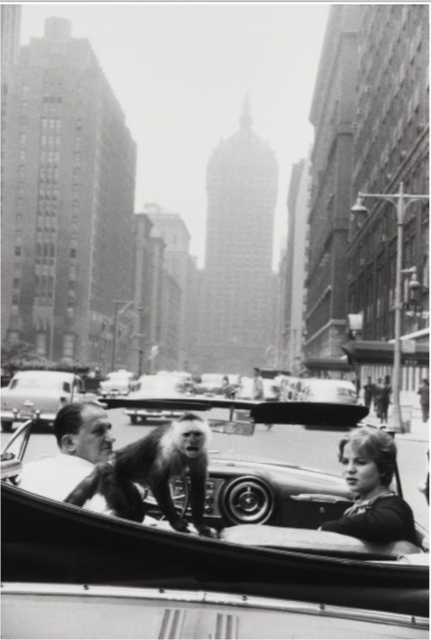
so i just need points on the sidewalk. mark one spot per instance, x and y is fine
(418, 430)
(415, 428)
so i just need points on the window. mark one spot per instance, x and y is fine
(68, 345)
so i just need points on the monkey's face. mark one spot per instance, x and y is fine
(192, 442)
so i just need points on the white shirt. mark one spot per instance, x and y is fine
(56, 477)
(258, 393)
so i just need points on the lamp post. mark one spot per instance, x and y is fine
(400, 201)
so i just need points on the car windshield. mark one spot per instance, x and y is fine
(40, 383)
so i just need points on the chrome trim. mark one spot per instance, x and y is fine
(218, 598)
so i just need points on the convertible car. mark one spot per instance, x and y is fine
(269, 571)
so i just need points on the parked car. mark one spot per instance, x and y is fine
(211, 384)
(117, 383)
(269, 565)
(39, 395)
(183, 377)
(323, 390)
(160, 386)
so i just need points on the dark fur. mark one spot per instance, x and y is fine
(146, 462)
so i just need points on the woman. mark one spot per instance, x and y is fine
(379, 515)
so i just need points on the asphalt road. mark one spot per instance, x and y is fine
(291, 444)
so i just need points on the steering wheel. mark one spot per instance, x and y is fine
(180, 494)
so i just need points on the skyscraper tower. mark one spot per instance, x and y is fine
(68, 200)
(10, 31)
(242, 188)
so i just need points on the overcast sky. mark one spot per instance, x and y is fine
(181, 73)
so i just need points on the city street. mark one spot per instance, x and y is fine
(290, 444)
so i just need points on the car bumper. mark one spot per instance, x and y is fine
(27, 414)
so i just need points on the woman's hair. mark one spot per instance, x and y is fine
(375, 444)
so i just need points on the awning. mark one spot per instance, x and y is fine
(376, 352)
(328, 364)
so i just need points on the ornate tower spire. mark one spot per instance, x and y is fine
(246, 120)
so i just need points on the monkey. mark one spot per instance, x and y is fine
(166, 451)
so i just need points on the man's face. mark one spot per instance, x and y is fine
(94, 441)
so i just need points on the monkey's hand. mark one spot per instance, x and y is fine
(208, 532)
(180, 525)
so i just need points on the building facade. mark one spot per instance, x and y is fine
(294, 311)
(68, 190)
(391, 145)
(242, 188)
(333, 113)
(172, 228)
(10, 34)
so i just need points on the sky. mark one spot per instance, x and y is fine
(181, 72)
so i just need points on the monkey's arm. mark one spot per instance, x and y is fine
(159, 485)
(197, 502)
(86, 489)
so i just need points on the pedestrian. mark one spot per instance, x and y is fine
(226, 388)
(385, 399)
(257, 392)
(369, 390)
(378, 398)
(257, 388)
(424, 393)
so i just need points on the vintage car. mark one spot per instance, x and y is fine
(117, 383)
(162, 385)
(269, 571)
(210, 384)
(39, 395)
(318, 390)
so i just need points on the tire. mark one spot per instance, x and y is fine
(6, 425)
(134, 419)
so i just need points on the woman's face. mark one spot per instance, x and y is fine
(360, 472)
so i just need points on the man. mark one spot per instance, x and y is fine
(83, 434)
(424, 393)
(385, 399)
(257, 391)
(368, 392)
(378, 398)
(257, 388)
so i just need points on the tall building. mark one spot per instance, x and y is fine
(333, 112)
(68, 190)
(172, 228)
(391, 145)
(145, 281)
(10, 34)
(296, 268)
(242, 189)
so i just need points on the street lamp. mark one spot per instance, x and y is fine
(400, 201)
